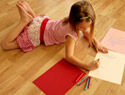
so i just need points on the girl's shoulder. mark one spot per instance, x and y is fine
(71, 32)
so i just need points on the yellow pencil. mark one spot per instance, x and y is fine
(98, 61)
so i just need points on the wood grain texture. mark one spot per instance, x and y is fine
(18, 69)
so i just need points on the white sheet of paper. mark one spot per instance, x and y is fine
(111, 67)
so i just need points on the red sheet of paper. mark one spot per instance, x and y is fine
(115, 40)
(58, 79)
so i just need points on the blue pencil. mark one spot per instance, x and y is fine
(86, 86)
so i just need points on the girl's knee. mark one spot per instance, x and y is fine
(4, 45)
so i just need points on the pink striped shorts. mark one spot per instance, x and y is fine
(29, 38)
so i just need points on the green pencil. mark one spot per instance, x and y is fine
(80, 82)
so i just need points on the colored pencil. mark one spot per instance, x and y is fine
(89, 45)
(80, 82)
(87, 83)
(81, 75)
(98, 61)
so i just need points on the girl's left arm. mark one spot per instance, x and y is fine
(96, 43)
(98, 46)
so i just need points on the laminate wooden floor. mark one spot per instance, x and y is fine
(18, 69)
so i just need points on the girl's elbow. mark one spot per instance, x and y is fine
(69, 57)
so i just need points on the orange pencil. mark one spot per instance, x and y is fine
(82, 74)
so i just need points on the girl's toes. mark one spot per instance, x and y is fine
(21, 1)
(18, 3)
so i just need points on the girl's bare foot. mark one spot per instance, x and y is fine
(25, 17)
(26, 6)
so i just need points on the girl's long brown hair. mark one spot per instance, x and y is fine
(81, 11)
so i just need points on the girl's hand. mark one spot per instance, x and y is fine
(102, 49)
(92, 66)
(99, 47)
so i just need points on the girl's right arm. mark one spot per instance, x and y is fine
(69, 50)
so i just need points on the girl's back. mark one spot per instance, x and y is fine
(56, 31)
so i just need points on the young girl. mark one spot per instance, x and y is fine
(32, 31)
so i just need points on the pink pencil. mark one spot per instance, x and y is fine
(89, 45)
(77, 80)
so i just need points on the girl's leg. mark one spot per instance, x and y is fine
(10, 40)
(10, 45)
